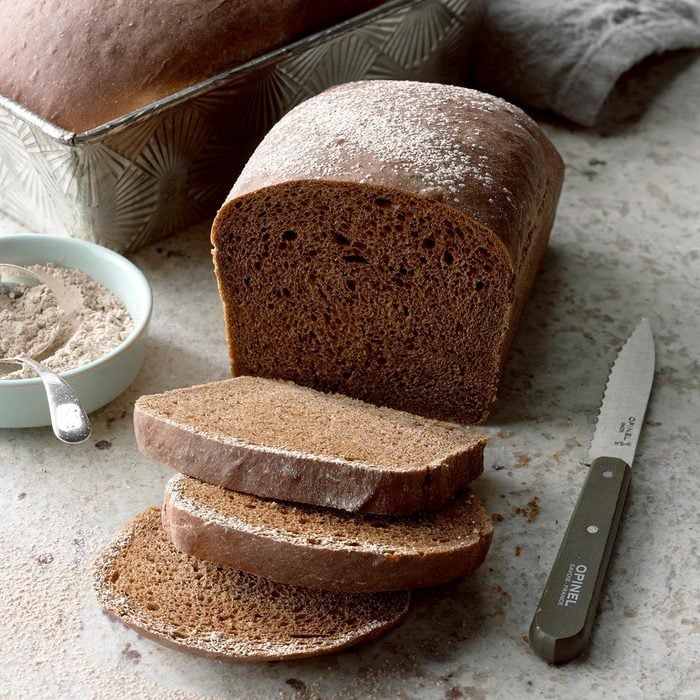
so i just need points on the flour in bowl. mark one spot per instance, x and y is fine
(101, 324)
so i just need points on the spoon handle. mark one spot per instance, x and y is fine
(68, 419)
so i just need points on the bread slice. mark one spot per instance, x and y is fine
(277, 440)
(382, 241)
(205, 608)
(324, 548)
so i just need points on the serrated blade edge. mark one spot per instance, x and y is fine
(625, 399)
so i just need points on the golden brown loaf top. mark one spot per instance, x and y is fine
(381, 242)
(79, 63)
(468, 149)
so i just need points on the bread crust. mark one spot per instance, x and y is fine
(370, 635)
(315, 560)
(269, 473)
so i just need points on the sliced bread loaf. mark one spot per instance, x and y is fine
(382, 241)
(325, 548)
(277, 440)
(142, 580)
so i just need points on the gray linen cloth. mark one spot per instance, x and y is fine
(566, 55)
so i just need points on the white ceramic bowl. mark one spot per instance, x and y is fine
(22, 401)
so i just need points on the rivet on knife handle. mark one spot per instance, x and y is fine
(561, 627)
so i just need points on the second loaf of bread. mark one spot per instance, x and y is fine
(81, 63)
(382, 241)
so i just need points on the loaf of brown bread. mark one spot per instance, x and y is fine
(382, 241)
(80, 63)
(274, 439)
(205, 608)
(324, 548)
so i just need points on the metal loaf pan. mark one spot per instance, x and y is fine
(165, 166)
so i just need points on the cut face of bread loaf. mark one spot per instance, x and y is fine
(278, 440)
(381, 242)
(142, 580)
(324, 548)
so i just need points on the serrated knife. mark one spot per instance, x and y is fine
(561, 627)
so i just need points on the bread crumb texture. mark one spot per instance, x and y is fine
(283, 416)
(205, 608)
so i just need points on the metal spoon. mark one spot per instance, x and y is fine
(16, 280)
(68, 419)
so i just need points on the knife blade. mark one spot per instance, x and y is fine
(561, 627)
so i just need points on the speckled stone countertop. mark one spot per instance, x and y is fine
(626, 244)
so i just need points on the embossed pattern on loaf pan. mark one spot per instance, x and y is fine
(165, 166)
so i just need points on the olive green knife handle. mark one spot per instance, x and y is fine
(562, 625)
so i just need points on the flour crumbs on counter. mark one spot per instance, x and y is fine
(44, 615)
(101, 322)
